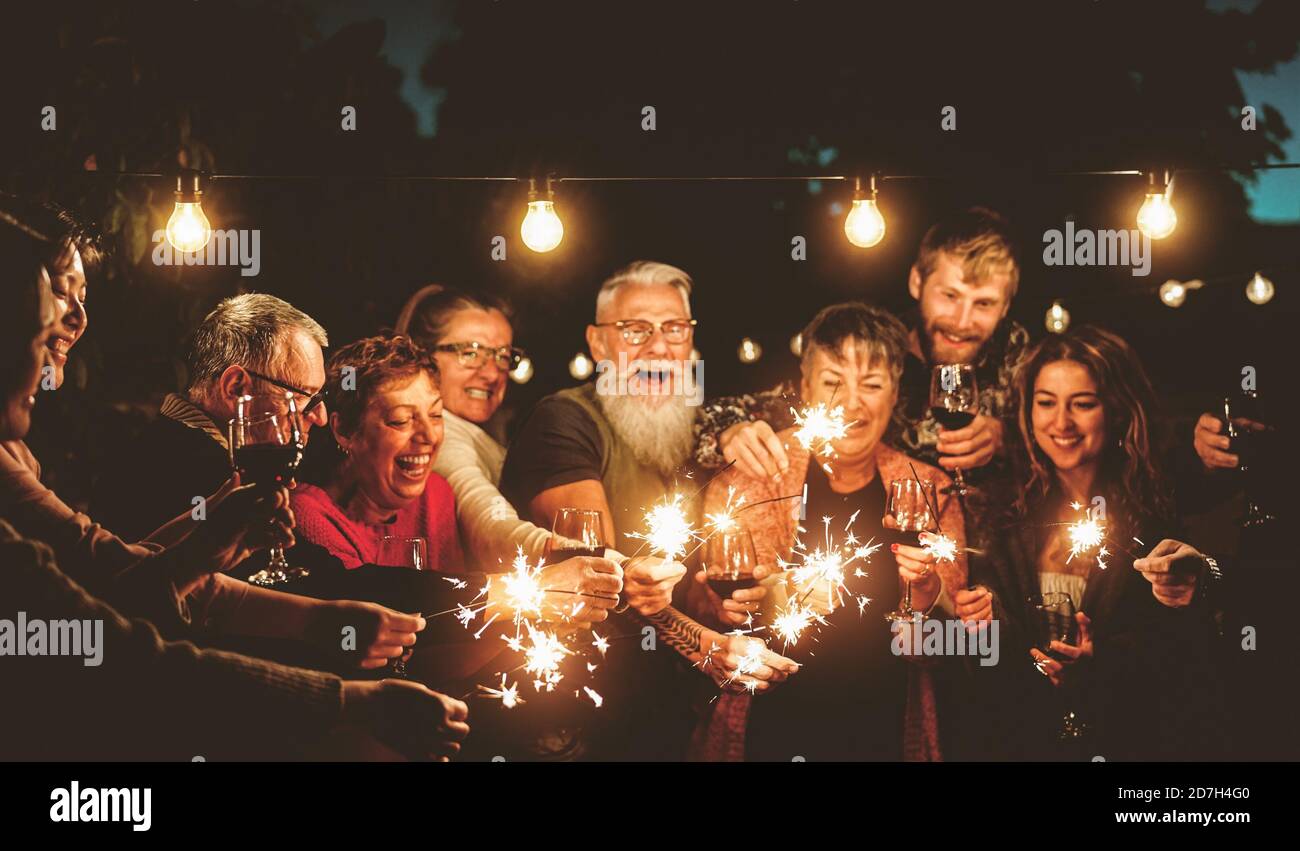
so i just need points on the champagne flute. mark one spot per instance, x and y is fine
(729, 561)
(266, 444)
(412, 554)
(1056, 622)
(910, 506)
(954, 402)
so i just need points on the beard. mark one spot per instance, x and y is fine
(926, 334)
(660, 435)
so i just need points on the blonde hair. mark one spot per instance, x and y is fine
(979, 240)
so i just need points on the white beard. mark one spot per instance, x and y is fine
(660, 435)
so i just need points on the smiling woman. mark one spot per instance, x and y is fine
(387, 422)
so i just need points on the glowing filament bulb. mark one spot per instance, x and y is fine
(188, 229)
(1157, 218)
(542, 229)
(1259, 290)
(864, 225)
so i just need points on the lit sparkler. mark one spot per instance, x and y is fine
(507, 694)
(667, 530)
(817, 426)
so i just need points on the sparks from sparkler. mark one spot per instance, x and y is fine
(818, 426)
(507, 694)
(667, 530)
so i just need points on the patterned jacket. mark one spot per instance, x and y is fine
(913, 430)
(774, 528)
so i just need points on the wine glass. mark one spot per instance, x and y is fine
(410, 553)
(954, 402)
(266, 444)
(729, 561)
(1242, 443)
(1056, 622)
(576, 532)
(911, 505)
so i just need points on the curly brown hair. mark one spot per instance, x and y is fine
(367, 365)
(1130, 464)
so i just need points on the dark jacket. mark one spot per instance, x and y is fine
(1147, 693)
(147, 698)
(157, 477)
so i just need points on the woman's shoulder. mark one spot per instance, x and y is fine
(16, 453)
(312, 498)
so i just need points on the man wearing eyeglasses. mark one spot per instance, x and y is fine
(252, 344)
(619, 445)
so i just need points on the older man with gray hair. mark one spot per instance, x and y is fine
(250, 344)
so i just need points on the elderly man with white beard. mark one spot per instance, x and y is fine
(618, 447)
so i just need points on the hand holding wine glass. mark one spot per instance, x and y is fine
(954, 403)
(411, 554)
(266, 444)
(731, 575)
(911, 509)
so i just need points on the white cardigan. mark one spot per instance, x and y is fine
(490, 527)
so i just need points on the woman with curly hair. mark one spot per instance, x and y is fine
(1089, 452)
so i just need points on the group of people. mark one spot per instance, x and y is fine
(196, 660)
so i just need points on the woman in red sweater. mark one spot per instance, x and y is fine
(386, 417)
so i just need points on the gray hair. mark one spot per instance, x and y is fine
(643, 273)
(873, 329)
(247, 330)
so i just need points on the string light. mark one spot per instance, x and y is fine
(542, 229)
(749, 351)
(188, 228)
(796, 344)
(523, 371)
(864, 226)
(1173, 294)
(1259, 290)
(1157, 218)
(581, 367)
(1058, 318)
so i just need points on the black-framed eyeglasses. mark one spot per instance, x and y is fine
(637, 331)
(314, 400)
(474, 355)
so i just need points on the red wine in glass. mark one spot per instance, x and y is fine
(952, 420)
(268, 464)
(954, 400)
(266, 441)
(575, 532)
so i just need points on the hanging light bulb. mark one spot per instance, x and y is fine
(542, 229)
(749, 351)
(1173, 294)
(581, 367)
(1259, 290)
(1157, 218)
(188, 229)
(864, 226)
(796, 344)
(523, 371)
(1058, 318)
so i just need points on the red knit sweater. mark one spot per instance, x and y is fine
(433, 516)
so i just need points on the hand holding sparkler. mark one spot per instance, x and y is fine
(755, 449)
(648, 583)
(416, 721)
(581, 589)
(740, 663)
